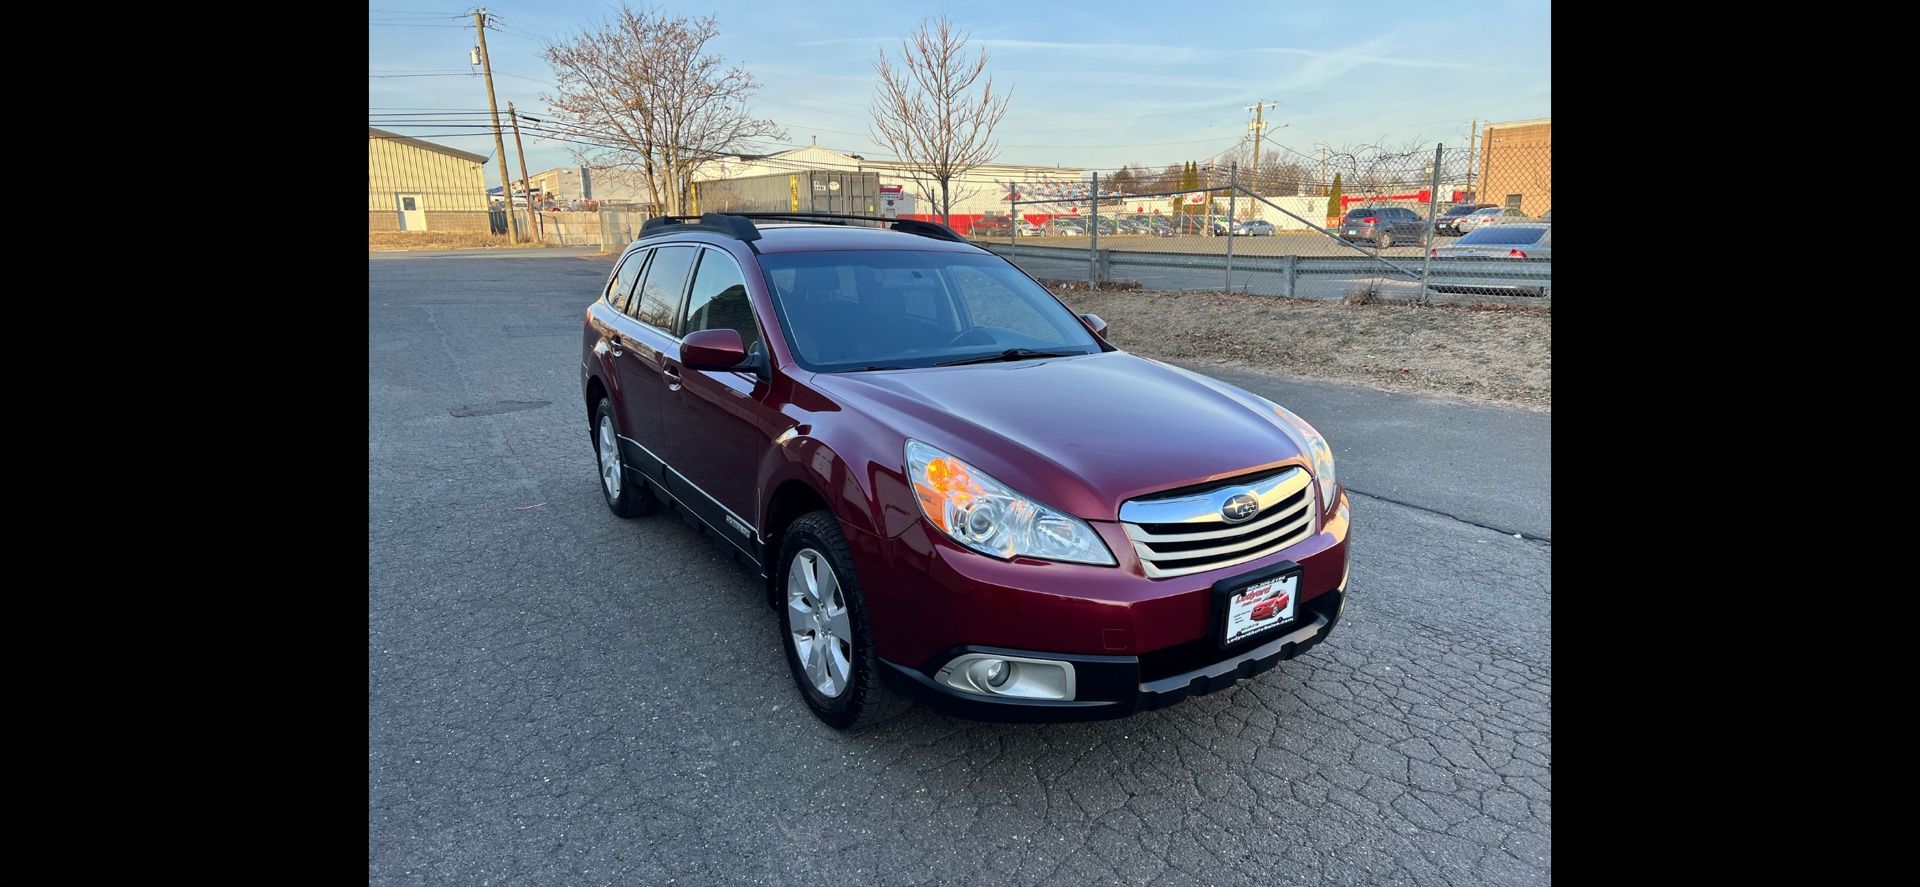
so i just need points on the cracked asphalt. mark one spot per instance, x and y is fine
(559, 696)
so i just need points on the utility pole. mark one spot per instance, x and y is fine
(1473, 134)
(499, 143)
(526, 184)
(1259, 127)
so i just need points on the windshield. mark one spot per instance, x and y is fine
(845, 311)
(1489, 211)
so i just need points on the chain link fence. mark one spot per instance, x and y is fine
(468, 217)
(1378, 225)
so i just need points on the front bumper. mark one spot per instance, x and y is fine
(1118, 686)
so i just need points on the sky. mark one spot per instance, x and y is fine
(1094, 85)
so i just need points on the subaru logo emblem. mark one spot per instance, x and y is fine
(1240, 508)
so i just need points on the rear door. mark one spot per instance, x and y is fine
(715, 423)
(645, 343)
(609, 327)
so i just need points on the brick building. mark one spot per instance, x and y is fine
(1516, 165)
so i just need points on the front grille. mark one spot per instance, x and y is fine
(1189, 533)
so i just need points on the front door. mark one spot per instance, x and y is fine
(714, 422)
(412, 217)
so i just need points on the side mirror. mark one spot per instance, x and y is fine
(1094, 322)
(712, 350)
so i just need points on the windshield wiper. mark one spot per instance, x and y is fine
(1009, 354)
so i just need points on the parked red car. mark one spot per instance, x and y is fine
(1270, 607)
(952, 486)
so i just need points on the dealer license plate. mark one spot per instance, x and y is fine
(1264, 605)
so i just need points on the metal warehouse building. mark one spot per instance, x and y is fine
(414, 185)
(985, 189)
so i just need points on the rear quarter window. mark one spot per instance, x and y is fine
(621, 286)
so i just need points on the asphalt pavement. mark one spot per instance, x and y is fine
(557, 695)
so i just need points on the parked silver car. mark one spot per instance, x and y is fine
(1510, 240)
(1492, 215)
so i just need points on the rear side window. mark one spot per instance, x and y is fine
(660, 292)
(621, 286)
(718, 300)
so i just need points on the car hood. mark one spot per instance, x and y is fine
(1082, 433)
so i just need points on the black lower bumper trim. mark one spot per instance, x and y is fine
(983, 708)
(1111, 686)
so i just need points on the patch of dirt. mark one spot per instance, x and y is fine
(411, 240)
(1498, 354)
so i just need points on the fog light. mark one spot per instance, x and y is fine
(1015, 676)
(989, 673)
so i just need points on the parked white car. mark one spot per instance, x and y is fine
(1027, 229)
(1492, 215)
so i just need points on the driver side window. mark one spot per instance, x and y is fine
(990, 303)
(719, 300)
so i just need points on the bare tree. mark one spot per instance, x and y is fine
(643, 93)
(924, 112)
(1167, 179)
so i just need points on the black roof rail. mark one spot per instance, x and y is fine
(734, 226)
(934, 230)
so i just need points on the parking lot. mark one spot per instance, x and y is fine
(557, 695)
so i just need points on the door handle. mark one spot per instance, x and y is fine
(672, 374)
(613, 345)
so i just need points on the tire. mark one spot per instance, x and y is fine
(859, 700)
(626, 494)
(1386, 240)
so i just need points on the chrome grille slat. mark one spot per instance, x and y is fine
(1142, 533)
(1294, 526)
(1201, 512)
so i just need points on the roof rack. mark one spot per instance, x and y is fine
(732, 226)
(740, 225)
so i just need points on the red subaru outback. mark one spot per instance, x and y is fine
(953, 486)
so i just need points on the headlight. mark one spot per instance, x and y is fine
(1317, 450)
(1322, 465)
(981, 513)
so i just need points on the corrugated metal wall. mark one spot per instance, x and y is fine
(852, 193)
(444, 183)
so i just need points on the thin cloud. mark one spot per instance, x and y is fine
(1321, 65)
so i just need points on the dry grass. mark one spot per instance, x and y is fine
(1498, 354)
(410, 240)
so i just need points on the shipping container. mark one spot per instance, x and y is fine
(852, 193)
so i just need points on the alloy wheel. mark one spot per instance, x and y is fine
(818, 620)
(609, 458)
